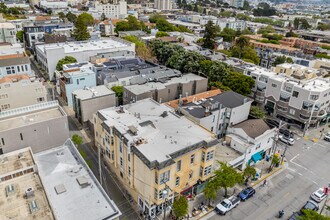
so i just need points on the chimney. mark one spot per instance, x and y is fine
(207, 112)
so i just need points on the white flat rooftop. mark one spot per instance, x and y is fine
(187, 24)
(73, 47)
(93, 92)
(72, 189)
(162, 136)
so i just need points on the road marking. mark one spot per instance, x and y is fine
(315, 183)
(293, 170)
(294, 157)
(287, 194)
(321, 145)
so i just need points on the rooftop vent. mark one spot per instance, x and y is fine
(33, 205)
(59, 189)
(82, 181)
(133, 129)
(29, 192)
(10, 190)
(164, 114)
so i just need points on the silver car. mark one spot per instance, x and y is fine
(286, 139)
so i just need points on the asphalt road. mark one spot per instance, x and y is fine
(308, 170)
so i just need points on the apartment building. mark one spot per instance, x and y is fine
(49, 54)
(53, 184)
(165, 89)
(237, 3)
(13, 61)
(151, 149)
(163, 4)
(13, 87)
(301, 102)
(217, 112)
(54, 4)
(75, 76)
(253, 139)
(7, 33)
(232, 23)
(40, 126)
(298, 71)
(87, 101)
(116, 10)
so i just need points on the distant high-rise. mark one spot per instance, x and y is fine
(163, 4)
(237, 3)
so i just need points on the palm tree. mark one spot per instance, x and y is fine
(242, 42)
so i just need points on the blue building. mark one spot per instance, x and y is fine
(76, 77)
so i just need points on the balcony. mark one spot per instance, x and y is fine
(281, 108)
(283, 104)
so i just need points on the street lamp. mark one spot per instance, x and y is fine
(165, 194)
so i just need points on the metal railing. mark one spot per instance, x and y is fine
(27, 109)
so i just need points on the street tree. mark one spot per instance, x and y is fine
(227, 177)
(210, 35)
(180, 207)
(246, 5)
(275, 161)
(71, 17)
(210, 191)
(80, 31)
(256, 112)
(242, 42)
(86, 19)
(61, 15)
(249, 172)
(20, 36)
(65, 60)
(312, 215)
(77, 140)
(296, 23)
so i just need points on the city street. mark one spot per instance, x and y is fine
(308, 170)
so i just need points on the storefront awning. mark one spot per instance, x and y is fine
(256, 157)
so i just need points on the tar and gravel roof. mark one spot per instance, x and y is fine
(253, 127)
(162, 136)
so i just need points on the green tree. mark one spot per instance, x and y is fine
(131, 24)
(268, 29)
(281, 59)
(312, 215)
(226, 14)
(162, 34)
(210, 190)
(77, 140)
(71, 17)
(296, 23)
(61, 15)
(246, 5)
(210, 35)
(242, 42)
(228, 34)
(119, 93)
(275, 161)
(180, 207)
(227, 177)
(80, 31)
(264, 9)
(256, 112)
(243, 17)
(142, 50)
(249, 172)
(248, 54)
(86, 19)
(291, 34)
(65, 60)
(304, 24)
(20, 36)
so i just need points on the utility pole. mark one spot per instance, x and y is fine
(309, 119)
(273, 149)
(283, 155)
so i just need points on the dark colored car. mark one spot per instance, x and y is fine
(310, 204)
(295, 216)
(286, 132)
(247, 193)
(272, 123)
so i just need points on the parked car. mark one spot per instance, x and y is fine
(327, 136)
(286, 132)
(227, 204)
(247, 193)
(295, 216)
(310, 204)
(286, 139)
(318, 195)
(272, 123)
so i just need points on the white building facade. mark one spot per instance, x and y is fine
(118, 10)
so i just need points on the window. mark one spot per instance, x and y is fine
(121, 148)
(292, 111)
(192, 158)
(10, 70)
(40, 99)
(81, 79)
(129, 157)
(121, 161)
(295, 94)
(21, 135)
(156, 178)
(207, 170)
(3, 141)
(4, 96)
(178, 165)
(274, 85)
(177, 181)
(18, 68)
(129, 171)
(156, 194)
(191, 174)
(5, 106)
(213, 118)
(201, 171)
(209, 155)
(211, 129)
(314, 97)
(26, 68)
(77, 81)
(203, 156)
(160, 194)
(164, 177)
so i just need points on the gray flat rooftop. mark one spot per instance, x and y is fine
(162, 136)
(93, 92)
(140, 89)
(30, 118)
(71, 187)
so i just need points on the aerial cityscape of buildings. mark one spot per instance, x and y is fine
(164, 109)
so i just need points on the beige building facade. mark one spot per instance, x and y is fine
(21, 90)
(153, 150)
